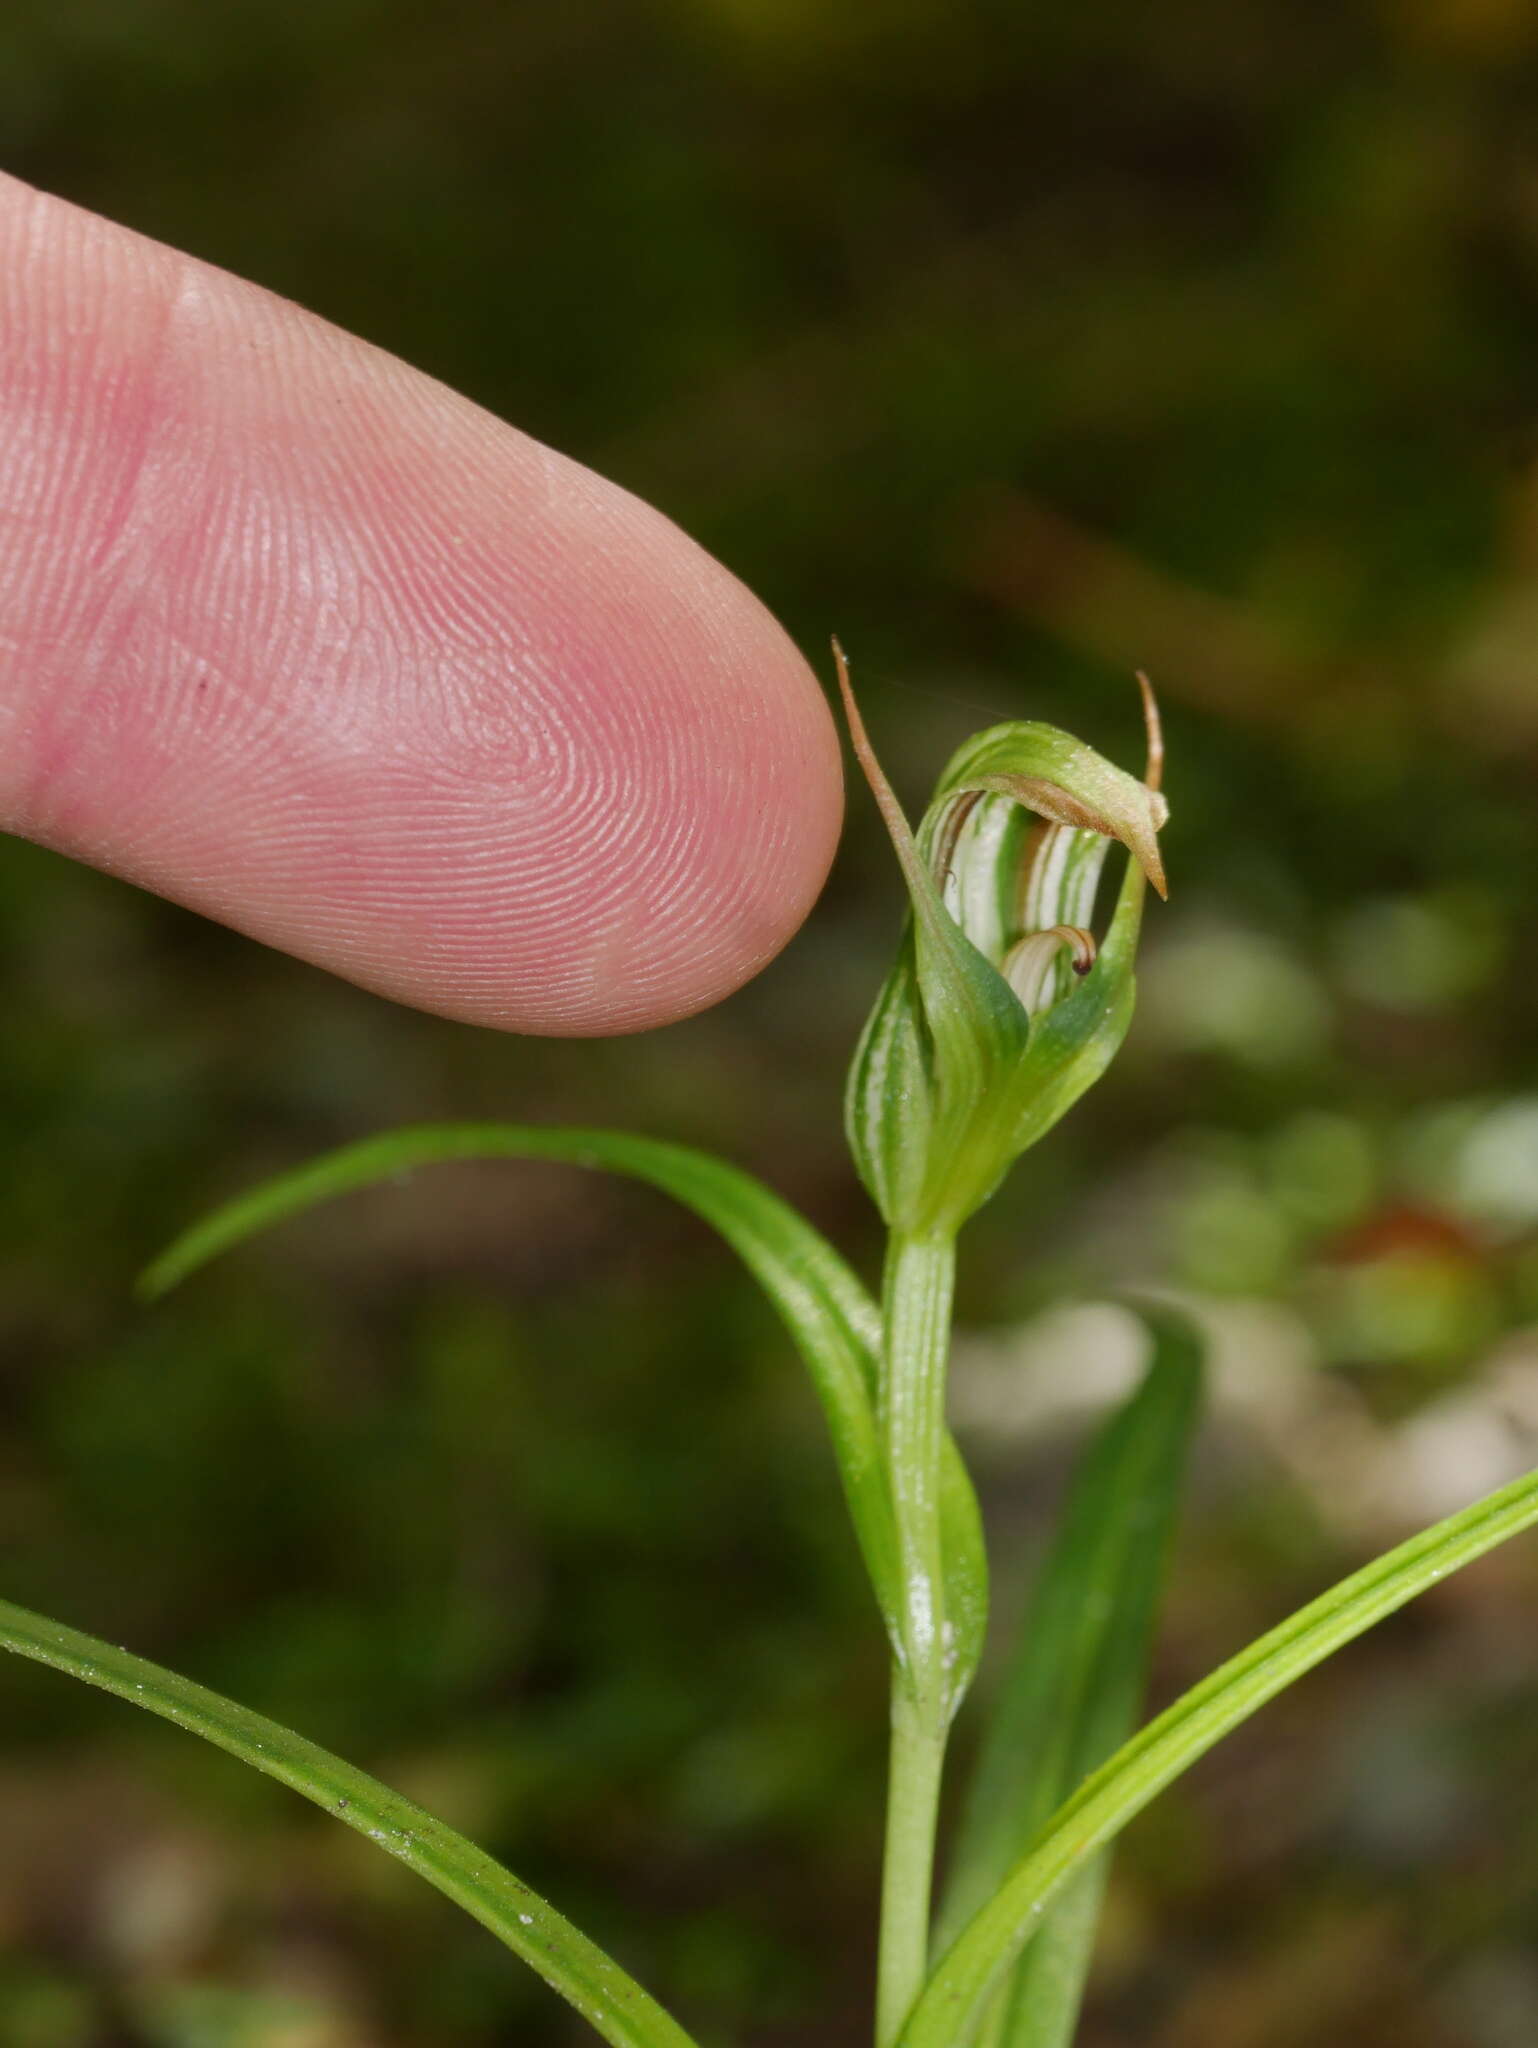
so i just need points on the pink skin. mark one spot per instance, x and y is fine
(296, 636)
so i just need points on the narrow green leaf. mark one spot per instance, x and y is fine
(832, 1320)
(610, 2000)
(1074, 1684)
(1038, 2003)
(972, 1969)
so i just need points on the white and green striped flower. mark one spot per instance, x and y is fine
(1001, 1008)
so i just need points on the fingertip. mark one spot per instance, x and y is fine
(312, 644)
(702, 796)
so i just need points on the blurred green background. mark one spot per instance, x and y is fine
(1024, 345)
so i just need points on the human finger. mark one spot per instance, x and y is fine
(293, 634)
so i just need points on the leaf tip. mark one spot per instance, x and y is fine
(156, 1281)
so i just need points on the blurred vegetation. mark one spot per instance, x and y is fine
(1024, 345)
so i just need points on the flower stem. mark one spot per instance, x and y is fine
(919, 1277)
(913, 1803)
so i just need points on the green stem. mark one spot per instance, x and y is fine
(916, 1347)
(913, 1805)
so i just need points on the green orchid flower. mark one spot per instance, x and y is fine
(1001, 1008)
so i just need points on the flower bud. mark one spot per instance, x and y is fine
(1001, 1008)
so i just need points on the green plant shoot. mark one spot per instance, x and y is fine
(1003, 1006)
